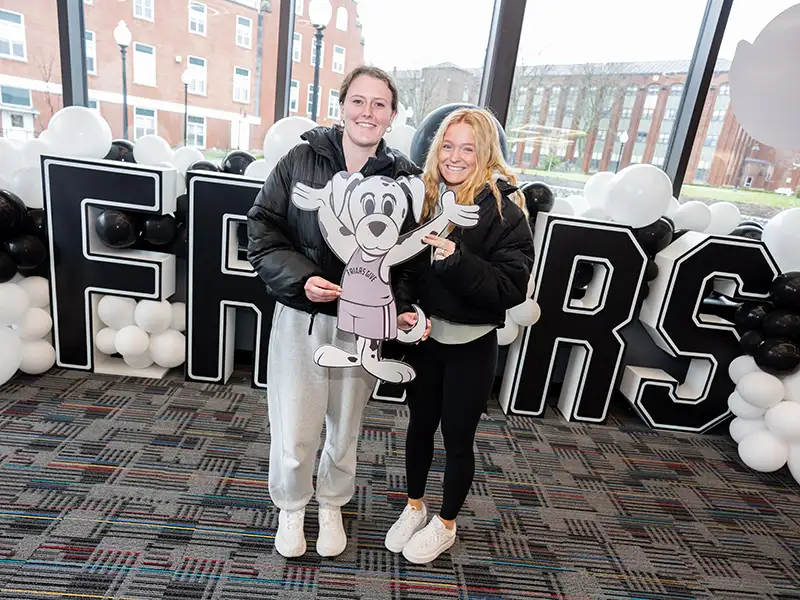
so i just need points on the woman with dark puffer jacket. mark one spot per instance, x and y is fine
(301, 273)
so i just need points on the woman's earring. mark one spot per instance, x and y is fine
(342, 123)
(389, 130)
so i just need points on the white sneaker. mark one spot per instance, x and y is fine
(429, 542)
(290, 541)
(409, 523)
(332, 539)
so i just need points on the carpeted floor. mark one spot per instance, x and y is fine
(126, 488)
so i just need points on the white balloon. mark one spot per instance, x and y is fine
(760, 389)
(152, 316)
(258, 169)
(10, 158)
(741, 428)
(10, 353)
(399, 138)
(781, 238)
(45, 136)
(27, 184)
(596, 187)
(184, 157)
(791, 386)
(105, 340)
(38, 290)
(579, 204)
(561, 206)
(525, 314)
(139, 361)
(508, 333)
(762, 451)
(116, 312)
(597, 213)
(131, 341)
(168, 349)
(741, 366)
(743, 409)
(178, 322)
(283, 136)
(725, 217)
(32, 151)
(14, 303)
(692, 215)
(638, 195)
(783, 420)
(80, 132)
(152, 150)
(38, 356)
(672, 208)
(34, 324)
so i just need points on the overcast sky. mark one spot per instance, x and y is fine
(416, 33)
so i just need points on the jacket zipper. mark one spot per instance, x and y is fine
(311, 322)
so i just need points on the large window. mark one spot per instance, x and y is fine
(612, 74)
(244, 32)
(727, 163)
(333, 105)
(199, 75)
(241, 85)
(198, 14)
(294, 96)
(145, 122)
(338, 59)
(310, 103)
(196, 131)
(144, 9)
(144, 64)
(91, 53)
(12, 35)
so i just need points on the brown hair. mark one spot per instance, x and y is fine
(373, 72)
(490, 162)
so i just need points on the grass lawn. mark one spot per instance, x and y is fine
(217, 155)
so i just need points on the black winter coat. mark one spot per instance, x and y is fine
(489, 271)
(285, 245)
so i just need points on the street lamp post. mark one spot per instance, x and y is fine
(122, 35)
(623, 139)
(186, 78)
(319, 12)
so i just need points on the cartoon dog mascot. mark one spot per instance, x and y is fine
(360, 219)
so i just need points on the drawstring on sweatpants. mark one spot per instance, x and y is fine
(311, 322)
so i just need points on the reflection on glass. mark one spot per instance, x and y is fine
(726, 163)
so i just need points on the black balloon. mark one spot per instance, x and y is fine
(117, 229)
(236, 162)
(750, 341)
(12, 214)
(42, 270)
(748, 231)
(644, 291)
(577, 293)
(539, 197)
(584, 271)
(8, 268)
(182, 208)
(650, 271)
(180, 247)
(751, 315)
(778, 355)
(669, 220)
(36, 223)
(121, 150)
(158, 230)
(655, 237)
(678, 233)
(720, 306)
(747, 223)
(785, 291)
(423, 138)
(27, 251)
(203, 165)
(782, 324)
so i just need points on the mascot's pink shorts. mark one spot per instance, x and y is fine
(371, 322)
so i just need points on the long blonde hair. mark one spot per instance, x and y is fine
(490, 162)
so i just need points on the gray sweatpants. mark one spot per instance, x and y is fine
(303, 396)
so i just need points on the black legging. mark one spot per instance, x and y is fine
(452, 385)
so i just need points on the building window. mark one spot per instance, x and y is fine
(241, 85)
(298, 7)
(199, 71)
(196, 131)
(333, 105)
(338, 59)
(718, 115)
(12, 35)
(341, 18)
(144, 64)
(198, 14)
(676, 90)
(653, 90)
(15, 96)
(294, 95)
(309, 104)
(94, 105)
(244, 32)
(627, 113)
(297, 47)
(91, 54)
(601, 134)
(711, 141)
(663, 138)
(725, 90)
(641, 136)
(647, 113)
(144, 122)
(314, 52)
(144, 9)
(671, 112)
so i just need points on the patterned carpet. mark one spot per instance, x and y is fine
(126, 488)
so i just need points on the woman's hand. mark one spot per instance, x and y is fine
(321, 290)
(442, 247)
(407, 320)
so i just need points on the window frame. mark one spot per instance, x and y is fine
(204, 68)
(193, 13)
(249, 44)
(138, 81)
(21, 26)
(249, 84)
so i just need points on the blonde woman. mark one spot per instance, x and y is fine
(471, 278)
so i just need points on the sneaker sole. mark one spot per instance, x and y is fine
(292, 554)
(398, 550)
(422, 560)
(331, 554)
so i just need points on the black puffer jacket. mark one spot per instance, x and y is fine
(285, 245)
(489, 271)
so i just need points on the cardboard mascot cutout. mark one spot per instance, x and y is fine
(360, 219)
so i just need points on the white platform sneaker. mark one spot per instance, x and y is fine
(430, 542)
(332, 539)
(409, 523)
(290, 540)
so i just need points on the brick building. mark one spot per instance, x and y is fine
(229, 45)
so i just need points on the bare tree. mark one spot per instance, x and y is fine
(48, 66)
(419, 90)
(602, 85)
